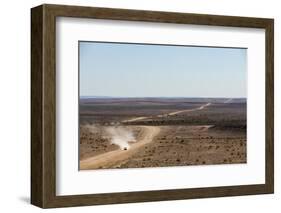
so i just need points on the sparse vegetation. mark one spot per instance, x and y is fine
(215, 135)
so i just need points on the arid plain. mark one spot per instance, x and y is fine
(161, 132)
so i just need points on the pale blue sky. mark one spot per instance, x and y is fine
(141, 70)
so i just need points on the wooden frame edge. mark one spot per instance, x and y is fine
(269, 118)
(36, 106)
(153, 196)
(43, 105)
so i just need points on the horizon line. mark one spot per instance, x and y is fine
(94, 96)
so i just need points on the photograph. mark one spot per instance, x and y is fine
(160, 105)
(173, 105)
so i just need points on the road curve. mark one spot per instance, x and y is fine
(114, 158)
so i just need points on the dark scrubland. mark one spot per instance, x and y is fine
(213, 135)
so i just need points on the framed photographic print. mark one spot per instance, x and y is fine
(136, 106)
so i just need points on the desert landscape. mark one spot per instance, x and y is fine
(160, 132)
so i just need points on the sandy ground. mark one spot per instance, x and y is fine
(113, 158)
(158, 146)
(190, 145)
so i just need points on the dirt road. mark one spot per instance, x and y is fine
(114, 158)
(228, 101)
(186, 110)
(168, 114)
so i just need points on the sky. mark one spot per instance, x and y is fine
(142, 70)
